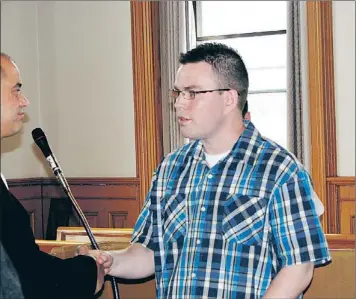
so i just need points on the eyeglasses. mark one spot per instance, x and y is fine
(190, 94)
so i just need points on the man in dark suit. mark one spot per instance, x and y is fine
(10, 282)
(40, 274)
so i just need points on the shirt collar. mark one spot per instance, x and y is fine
(245, 148)
(4, 180)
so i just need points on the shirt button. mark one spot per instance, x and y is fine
(202, 209)
(198, 242)
(210, 176)
(193, 275)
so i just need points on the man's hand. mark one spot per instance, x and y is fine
(102, 258)
(133, 262)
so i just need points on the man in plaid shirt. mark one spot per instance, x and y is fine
(231, 214)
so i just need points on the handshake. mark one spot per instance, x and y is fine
(104, 261)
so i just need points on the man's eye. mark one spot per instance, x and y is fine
(175, 93)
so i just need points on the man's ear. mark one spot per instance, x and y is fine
(231, 99)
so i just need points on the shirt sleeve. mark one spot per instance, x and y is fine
(295, 225)
(146, 228)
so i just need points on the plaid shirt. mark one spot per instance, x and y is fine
(226, 231)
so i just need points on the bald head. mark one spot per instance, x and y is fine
(13, 101)
(5, 60)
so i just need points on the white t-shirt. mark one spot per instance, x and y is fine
(213, 159)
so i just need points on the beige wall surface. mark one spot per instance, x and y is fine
(76, 63)
(344, 65)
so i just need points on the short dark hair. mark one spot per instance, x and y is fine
(226, 63)
(245, 109)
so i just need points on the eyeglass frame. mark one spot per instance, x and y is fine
(195, 92)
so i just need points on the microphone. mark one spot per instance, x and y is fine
(41, 140)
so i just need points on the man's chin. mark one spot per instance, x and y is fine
(10, 133)
(190, 136)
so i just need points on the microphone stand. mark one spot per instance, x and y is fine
(85, 223)
(40, 139)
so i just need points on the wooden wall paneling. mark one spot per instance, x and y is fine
(110, 213)
(146, 82)
(347, 216)
(331, 209)
(46, 205)
(321, 100)
(34, 210)
(107, 202)
(29, 194)
(341, 205)
(104, 202)
(346, 199)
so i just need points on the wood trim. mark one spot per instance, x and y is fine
(321, 98)
(82, 188)
(73, 233)
(342, 180)
(332, 209)
(48, 245)
(74, 181)
(341, 241)
(146, 82)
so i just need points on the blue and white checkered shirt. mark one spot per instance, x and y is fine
(226, 231)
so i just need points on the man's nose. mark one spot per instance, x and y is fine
(24, 101)
(180, 102)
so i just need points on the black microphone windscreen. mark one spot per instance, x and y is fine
(40, 139)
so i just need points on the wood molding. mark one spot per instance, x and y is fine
(331, 209)
(82, 188)
(341, 241)
(146, 82)
(321, 98)
(342, 180)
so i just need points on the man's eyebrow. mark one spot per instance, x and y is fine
(190, 87)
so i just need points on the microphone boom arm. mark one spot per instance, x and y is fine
(63, 182)
(40, 139)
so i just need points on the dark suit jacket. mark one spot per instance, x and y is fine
(41, 275)
(9, 280)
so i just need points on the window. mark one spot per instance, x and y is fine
(257, 30)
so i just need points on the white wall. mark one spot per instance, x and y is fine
(19, 39)
(344, 66)
(76, 63)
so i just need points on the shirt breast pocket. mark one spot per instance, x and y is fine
(244, 219)
(175, 219)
